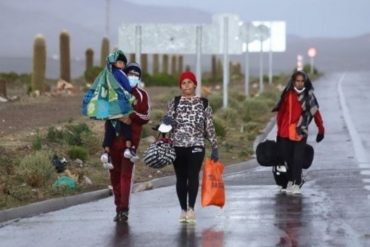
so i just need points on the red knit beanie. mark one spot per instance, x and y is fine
(188, 75)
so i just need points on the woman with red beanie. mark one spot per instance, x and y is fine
(192, 122)
(295, 111)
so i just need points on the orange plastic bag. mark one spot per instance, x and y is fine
(213, 188)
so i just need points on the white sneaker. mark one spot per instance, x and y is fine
(182, 218)
(289, 185)
(106, 160)
(190, 216)
(127, 153)
(293, 189)
(130, 154)
(282, 190)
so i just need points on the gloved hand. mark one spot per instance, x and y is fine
(319, 137)
(214, 154)
(167, 120)
(106, 160)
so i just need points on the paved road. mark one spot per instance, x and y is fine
(334, 209)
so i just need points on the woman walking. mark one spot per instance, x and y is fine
(192, 122)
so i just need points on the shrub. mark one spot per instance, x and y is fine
(219, 127)
(36, 143)
(160, 80)
(73, 133)
(91, 73)
(54, 135)
(77, 152)
(35, 169)
(90, 141)
(307, 69)
(215, 101)
(255, 109)
(9, 77)
(229, 115)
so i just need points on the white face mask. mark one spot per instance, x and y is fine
(134, 80)
(299, 91)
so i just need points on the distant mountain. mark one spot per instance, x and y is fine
(20, 21)
(85, 20)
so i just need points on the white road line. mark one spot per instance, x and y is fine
(365, 172)
(364, 165)
(360, 152)
(366, 180)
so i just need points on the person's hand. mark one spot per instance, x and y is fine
(319, 137)
(214, 154)
(167, 120)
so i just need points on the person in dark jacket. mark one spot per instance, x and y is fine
(295, 110)
(121, 174)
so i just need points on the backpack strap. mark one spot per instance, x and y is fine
(205, 102)
(177, 101)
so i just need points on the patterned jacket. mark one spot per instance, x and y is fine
(193, 123)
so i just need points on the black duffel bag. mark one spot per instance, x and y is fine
(267, 153)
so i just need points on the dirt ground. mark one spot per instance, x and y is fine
(30, 113)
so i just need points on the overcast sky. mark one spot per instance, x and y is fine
(306, 18)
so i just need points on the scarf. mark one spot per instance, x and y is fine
(309, 106)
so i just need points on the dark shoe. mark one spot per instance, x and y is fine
(122, 216)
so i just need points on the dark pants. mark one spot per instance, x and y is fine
(293, 154)
(187, 167)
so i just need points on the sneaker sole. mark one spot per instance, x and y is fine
(191, 221)
(182, 220)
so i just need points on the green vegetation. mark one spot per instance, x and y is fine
(35, 169)
(77, 152)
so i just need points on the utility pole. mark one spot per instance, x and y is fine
(107, 18)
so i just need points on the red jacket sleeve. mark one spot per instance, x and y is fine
(141, 114)
(319, 122)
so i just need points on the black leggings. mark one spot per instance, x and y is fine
(187, 167)
(293, 153)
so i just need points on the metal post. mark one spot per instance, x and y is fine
(246, 71)
(226, 62)
(311, 69)
(261, 66)
(138, 44)
(107, 18)
(270, 58)
(199, 62)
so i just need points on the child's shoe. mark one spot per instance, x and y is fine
(106, 160)
(130, 154)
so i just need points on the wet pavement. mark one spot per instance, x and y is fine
(333, 210)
